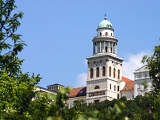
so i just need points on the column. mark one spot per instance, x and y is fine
(116, 48)
(109, 49)
(112, 47)
(93, 49)
(100, 48)
(104, 46)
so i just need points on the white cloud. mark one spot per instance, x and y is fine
(81, 80)
(132, 63)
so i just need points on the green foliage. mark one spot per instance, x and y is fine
(153, 64)
(157, 107)
(16, 88)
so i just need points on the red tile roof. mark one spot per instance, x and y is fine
(126, 79)
(129, 84)
(75, 92)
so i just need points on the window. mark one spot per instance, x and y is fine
(100, 33)
(104, 71)
(114, 49)
(118, 96)
(96, 101)
(111, 49)
(111, 34)
(106, 49)
(110, 87)
(114, 73)
(97, 87)
(117, 88)
(106, 33)
(114, 87)
(97, 72)
(146, 75)
(118, 74)
(110, 71)
(91, 73)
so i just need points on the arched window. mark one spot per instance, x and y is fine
(97, 72)
(100, 33)
(118, 96)
(110, 71)
(106, 49)
(110, 86)
(91, 73)
(118, 74)
(106, 33)
(111, 34)
(117, 88)
(111, 49)
(97, 87)
(114, 87)
(114, 48)
(114, 73)
(104, 71)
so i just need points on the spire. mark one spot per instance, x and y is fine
(105, 16)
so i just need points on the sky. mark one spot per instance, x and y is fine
(59, 34)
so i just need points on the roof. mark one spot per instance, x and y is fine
(126, 79)
(77, 92)
(142, 69)
(129, 84)
(55, 85)
(105, 24)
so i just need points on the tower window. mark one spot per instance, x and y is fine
(100, 33)
(111, 49)
(111, 34)
(114, 87)
(118, 88)
(118, 74)
(118, 96)
(104, 71)
(91, 73)
(97, 72)
(97, 87)
(114, 50)
(114, 73)
(106, 33)
(110, 71)
(106, 49)
(110, 86)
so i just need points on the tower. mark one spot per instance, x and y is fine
(104, 67)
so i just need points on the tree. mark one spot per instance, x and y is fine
(153, 64)
(16, 88)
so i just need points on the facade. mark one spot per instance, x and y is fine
(143, 82)
(76, 94)
(54, 87)
(104, 66)
(128, 90)
(50, 89)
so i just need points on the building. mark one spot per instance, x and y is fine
(128, 90)
(76, 94)
(104, 66)
(50, 89)
(104, 80)
(54, 87)
(143, 82)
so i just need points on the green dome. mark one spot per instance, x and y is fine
(105, 24)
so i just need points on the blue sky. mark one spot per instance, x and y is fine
(59, 34)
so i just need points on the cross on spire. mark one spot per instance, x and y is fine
(105, 16)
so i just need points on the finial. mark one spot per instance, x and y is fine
(105, 16)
